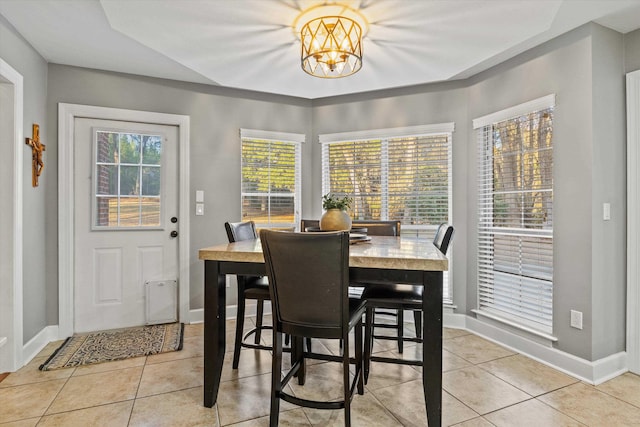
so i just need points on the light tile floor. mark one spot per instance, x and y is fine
(483, 385)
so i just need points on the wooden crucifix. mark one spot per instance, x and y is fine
(36, 154)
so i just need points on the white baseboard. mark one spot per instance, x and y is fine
(595, 372)
(610, 367)
(195, 316)
(38, 342)
(453, 320)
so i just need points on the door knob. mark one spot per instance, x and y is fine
(174, 233)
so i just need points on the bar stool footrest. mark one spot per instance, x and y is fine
(396, 361)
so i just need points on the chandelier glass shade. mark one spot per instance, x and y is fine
(331, 47)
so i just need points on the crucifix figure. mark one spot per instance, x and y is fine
(36, 154)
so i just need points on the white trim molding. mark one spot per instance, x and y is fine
(633, 224)
(67, 113)
(400, 132)
(39, 341)
(273, 136)
(592, 372)
(515, 111)
(11, 302)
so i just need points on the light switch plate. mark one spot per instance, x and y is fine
(199, 209)
(199, 196)
(606, 211)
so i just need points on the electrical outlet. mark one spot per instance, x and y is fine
(576, 319)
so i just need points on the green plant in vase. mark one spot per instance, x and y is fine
(335, 217)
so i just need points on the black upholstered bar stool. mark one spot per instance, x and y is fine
(390, 228)
(308, 280)
(249, 288)
(304, 223)
(397, 297)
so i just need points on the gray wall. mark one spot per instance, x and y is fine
(39, 252)
(216, 115)
(608, 186)
(632, 51)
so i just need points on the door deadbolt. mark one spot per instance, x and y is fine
(174, 219)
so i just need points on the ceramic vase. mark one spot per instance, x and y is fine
(335, 220)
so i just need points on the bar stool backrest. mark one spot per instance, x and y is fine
(237, 231)
(308, 281)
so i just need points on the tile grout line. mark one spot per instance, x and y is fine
(384, 408)
(556, 409)
(615, 397)
(57, 394)
(135, 397)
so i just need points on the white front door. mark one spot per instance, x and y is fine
(126, 209)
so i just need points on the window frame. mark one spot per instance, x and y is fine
(484, 127)
(275, 137)
(94, 187)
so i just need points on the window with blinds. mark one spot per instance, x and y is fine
(515, 212)
(393, 174)
(271, 178)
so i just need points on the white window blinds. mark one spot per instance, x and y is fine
(419, 179)
(393, 174)
(515, 211)
(271, 178)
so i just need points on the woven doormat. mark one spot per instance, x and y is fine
(115, 344)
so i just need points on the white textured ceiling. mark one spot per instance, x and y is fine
(249, 44)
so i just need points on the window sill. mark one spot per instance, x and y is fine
(514, 324)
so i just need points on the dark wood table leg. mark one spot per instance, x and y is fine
(432, 346)
(214, 329)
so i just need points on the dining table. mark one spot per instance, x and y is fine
(378, 260)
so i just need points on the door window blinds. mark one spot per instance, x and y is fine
(515, 212)
(393, 174)
(271, 178)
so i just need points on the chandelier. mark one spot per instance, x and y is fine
(331, 47)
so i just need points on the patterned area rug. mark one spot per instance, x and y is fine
(115, 344)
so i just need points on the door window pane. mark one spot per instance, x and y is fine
(129, 180)
(150, 181)
(150, 212)
(151, 149)
(129, 148)
(107, 178)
